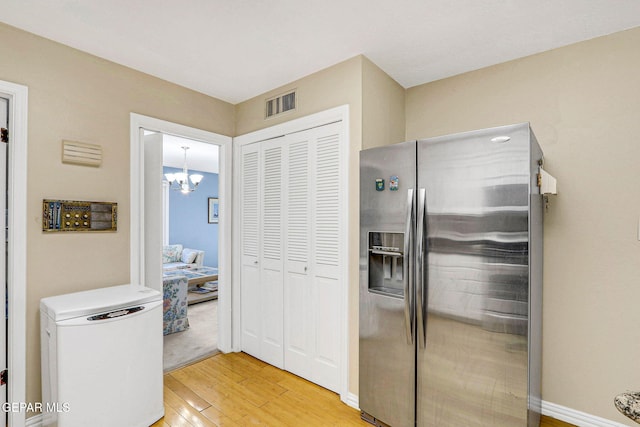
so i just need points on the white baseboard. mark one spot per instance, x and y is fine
(35, 421)
(352, 400)
(571, 416)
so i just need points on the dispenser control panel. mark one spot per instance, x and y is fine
(386, 263)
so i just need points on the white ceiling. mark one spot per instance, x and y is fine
(237, 49)
(201, 156)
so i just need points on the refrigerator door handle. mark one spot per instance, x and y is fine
(407, 270)
(420, 269)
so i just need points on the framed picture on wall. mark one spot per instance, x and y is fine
(213, 210)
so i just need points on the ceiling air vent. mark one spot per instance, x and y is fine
(280, 104)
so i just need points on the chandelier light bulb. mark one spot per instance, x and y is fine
(196, 178)
(181, 179)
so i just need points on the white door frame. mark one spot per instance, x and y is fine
(139, 122)
(165, 212)
(17, 248)
(340, 113)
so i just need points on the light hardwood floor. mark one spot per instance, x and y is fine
(552, 422)
(238, 390)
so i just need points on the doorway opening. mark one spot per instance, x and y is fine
(151, 230)
(190, 242)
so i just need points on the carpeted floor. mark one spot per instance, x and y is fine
(197, 342)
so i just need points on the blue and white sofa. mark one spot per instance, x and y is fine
(175, 256)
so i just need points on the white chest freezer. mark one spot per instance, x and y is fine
(102, 358)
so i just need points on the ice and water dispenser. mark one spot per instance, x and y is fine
(386, 263)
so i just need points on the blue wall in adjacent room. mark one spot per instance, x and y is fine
(188, 217)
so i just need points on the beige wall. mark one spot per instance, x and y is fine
(79, 97)
(376, 110)
(383, 123)
(383, 107)
(583, 102)
(337, 85)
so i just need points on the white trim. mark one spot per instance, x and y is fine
(340, 113)
(236, 319)
(225, 294)
(575, 417)
(296, 125)
(345, 148)
(165, 212)
(17, 247)
(353, 401)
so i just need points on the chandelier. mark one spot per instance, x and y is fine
(180, 180)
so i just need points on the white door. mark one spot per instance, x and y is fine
(293, 252)
(314, 255)
(329, 254)
(153, 226)
(250, 240)
(271, 262)
(298, 331)
(262, 251)
(4, 123)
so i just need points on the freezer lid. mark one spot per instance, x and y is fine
(86, 303)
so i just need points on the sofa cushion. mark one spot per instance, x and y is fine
(168, 266)
(175, 304)
(189, 255)
(171, 253)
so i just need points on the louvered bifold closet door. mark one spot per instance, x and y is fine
(313, 255)
(328, 255)
(249, 248)
(298, 325)
(271, 279)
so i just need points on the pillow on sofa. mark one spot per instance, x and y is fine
(189, 255)
(171, 253)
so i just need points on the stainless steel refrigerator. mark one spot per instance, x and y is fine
(451, 281)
